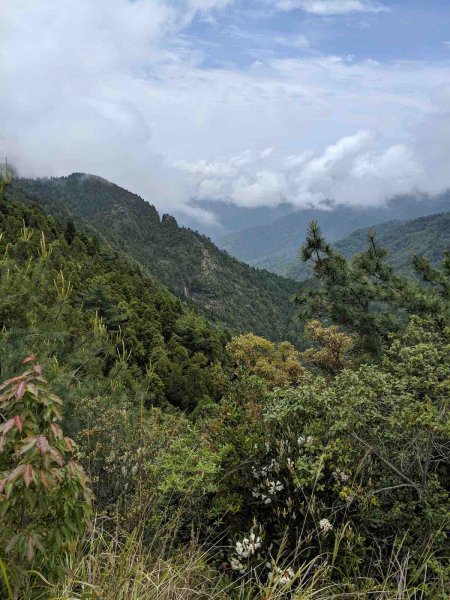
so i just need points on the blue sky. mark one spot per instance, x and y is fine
(251, 102)
(405, 30)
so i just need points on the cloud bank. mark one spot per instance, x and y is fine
(124, 90)
(349, 172)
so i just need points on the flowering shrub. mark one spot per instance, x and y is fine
(354, 462)
(146, 467)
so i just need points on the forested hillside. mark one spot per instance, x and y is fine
(189, 264)
(428, 236)
(275, 246)
(70, 298)
(208, 467)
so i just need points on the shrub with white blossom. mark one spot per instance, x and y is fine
(342, 461)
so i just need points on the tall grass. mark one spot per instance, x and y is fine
(110, 564)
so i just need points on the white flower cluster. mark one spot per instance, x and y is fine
(236, 565)
(325, 525)
(248, 546)
(245, 549)
(280, 576)
(267, 486)
(264, 472)
(268, 489)
(302, 440)
(341, 476)
(274, 487)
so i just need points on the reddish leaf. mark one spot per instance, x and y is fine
(37, 369)
(18, 422)
(28, 475)
(70, 444)
(30, 358)
(56, 429)
(14, 380)
(20, 389)
(43, 478)
(42, 443)
(57, 457)
(7, 426)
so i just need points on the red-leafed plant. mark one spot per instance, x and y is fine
(45, 500)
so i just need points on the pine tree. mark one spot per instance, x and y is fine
(366, 296)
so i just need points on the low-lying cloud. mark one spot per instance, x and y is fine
(352, 171)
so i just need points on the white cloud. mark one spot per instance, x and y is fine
(331, 7)
(350, 172)
(73, 71)
(109, 87)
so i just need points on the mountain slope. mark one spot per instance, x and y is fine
(275, 246)
(81, 305)
(189, 264)
(427, 236)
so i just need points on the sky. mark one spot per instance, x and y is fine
(251, 102)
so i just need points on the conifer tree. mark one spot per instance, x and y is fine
(366, 296)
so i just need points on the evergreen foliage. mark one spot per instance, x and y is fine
(98, 318)
(428, 236)
(367, 296)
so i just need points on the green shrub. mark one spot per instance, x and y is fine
(361, 459)
(45, 501)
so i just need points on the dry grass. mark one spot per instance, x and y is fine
(110, 565)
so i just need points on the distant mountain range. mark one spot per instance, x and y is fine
(230, 218)
(275, 246)
(189, 264)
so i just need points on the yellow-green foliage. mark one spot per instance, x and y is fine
(364, 453)
(334, 345)
(276, 364)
